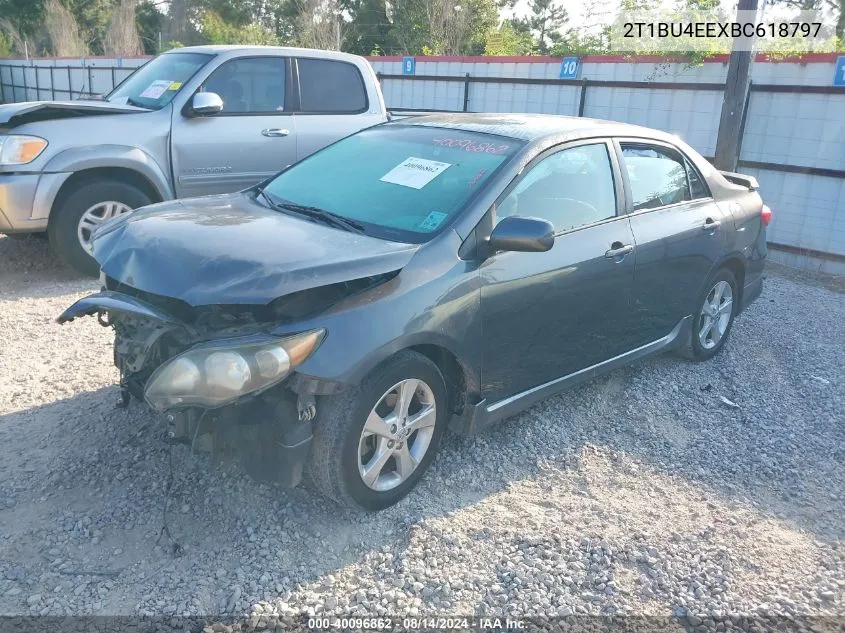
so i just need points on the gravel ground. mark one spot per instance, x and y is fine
(667, 488)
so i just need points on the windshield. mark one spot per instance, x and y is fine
(155, 84)
(403, 183)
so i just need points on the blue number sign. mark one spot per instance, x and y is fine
(569, 68)
(839, 77)
(408, 65)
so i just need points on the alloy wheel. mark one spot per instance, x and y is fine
(715, 315)
(94, 216)
(397, 434)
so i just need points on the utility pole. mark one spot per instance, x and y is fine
(736, 94)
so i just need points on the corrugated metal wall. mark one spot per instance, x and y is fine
(783, 128)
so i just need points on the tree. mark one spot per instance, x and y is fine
(508, 40)
(442, 27)
(122, 36)
(368, 29)
(836, 7)
(150, 22)
(218, 31)
(545, 20)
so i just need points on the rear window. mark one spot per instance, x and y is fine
(403, 183)
(327, 86)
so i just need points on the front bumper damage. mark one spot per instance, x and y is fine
(269, 433)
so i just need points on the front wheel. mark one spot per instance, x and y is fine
(373, 444)
(83, 210)
(714, 317)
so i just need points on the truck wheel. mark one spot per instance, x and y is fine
(82, 211)
(373, 444)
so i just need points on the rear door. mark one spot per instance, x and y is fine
(679, 232)
(252, 138)
(333, 103)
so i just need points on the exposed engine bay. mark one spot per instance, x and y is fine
(268, 429)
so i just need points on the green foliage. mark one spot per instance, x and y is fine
(218, 31)
(545, 21)
(150, 22)
(508, 40)
(5, 45)
(167, 46)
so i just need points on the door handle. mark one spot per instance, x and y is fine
(274, 131)
(618, 251)
(711, 225)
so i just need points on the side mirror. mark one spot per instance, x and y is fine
(205, 103)
(528, 235)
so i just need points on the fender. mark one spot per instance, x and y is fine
(79, 159)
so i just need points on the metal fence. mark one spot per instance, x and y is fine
(692, 106)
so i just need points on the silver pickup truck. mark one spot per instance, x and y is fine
(193, 121)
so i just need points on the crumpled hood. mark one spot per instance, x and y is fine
(231, 250)
(13, 114)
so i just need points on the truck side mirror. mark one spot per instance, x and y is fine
(206, 103)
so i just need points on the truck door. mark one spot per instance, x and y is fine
(333, 103)
(252, 138)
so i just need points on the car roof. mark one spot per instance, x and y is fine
(218, 49)
(535, 127)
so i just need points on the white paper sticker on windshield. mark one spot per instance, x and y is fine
(156, 89)
(415, 172)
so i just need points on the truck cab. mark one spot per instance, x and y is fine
(193, 121)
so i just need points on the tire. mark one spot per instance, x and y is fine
(64, 224)
(701, 347)
(340, 440)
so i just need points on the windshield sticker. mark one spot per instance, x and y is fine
(415, 172)
(469, 145)
(432, 221)
(156, 89)
(175, 85)
(476, 178)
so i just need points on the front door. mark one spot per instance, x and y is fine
(547, 315)
(251, 139)
(679, 232)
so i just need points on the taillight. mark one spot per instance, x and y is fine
(766, 215)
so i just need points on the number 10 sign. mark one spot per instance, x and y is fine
(569, 68)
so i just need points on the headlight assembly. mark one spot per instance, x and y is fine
(20, 149)
(219, 372)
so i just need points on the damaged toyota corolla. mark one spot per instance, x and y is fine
(433, 271)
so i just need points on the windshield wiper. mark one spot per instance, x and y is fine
(321, 215)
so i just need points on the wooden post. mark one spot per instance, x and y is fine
(736, 97)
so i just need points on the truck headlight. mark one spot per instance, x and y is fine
(20, 149)
(219, 372)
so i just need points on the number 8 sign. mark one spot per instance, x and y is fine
(569, 68)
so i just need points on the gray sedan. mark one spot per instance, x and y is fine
(440, 270)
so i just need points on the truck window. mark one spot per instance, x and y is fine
(250, 85)
(327, 86)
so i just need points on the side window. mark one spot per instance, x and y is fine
(328, 86)
(657, 176)
(696, 183)
(570, 188)
(250, 85)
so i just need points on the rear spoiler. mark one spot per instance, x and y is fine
(750, 182)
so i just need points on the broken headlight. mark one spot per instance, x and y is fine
(219, 372)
